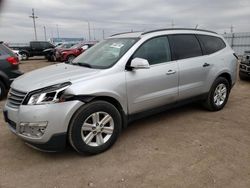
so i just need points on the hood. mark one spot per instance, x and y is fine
(52, 75)
(48, 50)
(66, 49)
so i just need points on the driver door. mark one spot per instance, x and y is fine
(156, 86)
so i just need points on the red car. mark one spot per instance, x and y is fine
(71, 53)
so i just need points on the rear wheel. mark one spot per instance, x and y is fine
(2, 90)
(95, 127)
(218, 95)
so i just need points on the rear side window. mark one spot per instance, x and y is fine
(155, 50)
(184, 46)
(36, 45)
(211, 44)
(4, 50)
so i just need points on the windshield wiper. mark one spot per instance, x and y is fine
(83, 64)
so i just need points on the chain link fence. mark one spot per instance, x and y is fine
(240, 42)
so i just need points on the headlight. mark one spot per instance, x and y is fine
(48, 95)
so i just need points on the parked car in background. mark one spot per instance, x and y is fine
(18, 54)
(71, 53)
(89, 101)
(8, 68)
(35, 48)
(244, 71)
(51, 52)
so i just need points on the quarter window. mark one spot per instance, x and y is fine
(211, 44)
(155, 50)
(184, 46)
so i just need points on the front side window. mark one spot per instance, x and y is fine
(184, 46)
(155, 50)
(106, 53)
(211, 44)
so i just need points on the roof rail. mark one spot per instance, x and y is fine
(125, 33)
(169, 29)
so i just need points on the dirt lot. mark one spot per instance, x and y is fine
(184, 147)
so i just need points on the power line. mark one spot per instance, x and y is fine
(34, 21)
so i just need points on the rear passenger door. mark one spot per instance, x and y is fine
(193, 68)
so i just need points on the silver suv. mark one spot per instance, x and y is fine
(126, 76)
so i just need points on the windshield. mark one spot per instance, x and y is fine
(59, 46)
(79, 45)
(106, 53)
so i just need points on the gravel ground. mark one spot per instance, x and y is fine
(184, 147)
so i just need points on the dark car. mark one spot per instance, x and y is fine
(8, 68)
(51, 52)
(35, 48)
(71, 53)
(244, 71)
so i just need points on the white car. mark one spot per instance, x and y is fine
(20, 57)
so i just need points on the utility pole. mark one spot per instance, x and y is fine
(89, 30)
(232, 29)
(172, 24)
(57, 31)
(45, 35)
(93, 32)
(34, 21)
(103, 34)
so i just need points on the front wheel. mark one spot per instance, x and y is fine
(71, 58)
(2, 90)
(218, 95)
(24, 56)
(95, 127)
(243, 77)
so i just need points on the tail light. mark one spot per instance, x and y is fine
(13, 60)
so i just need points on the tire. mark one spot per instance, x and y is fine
(88, 141)
(2, 90)
(243, 77)
(53, 58)
(71, 58)
(214, 103)
(24, 55)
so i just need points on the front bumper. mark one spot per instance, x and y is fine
(56, 115)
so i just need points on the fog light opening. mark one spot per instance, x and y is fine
(32, 129)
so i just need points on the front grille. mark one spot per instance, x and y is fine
(15, 98)
(245, 67)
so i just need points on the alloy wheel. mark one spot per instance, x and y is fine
(220, 94)
(97, 129)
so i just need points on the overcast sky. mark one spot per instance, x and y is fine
(114, 16)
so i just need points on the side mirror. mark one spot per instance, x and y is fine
(139, 63)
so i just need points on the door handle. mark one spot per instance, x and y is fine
(206, 65)
(170, 72)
